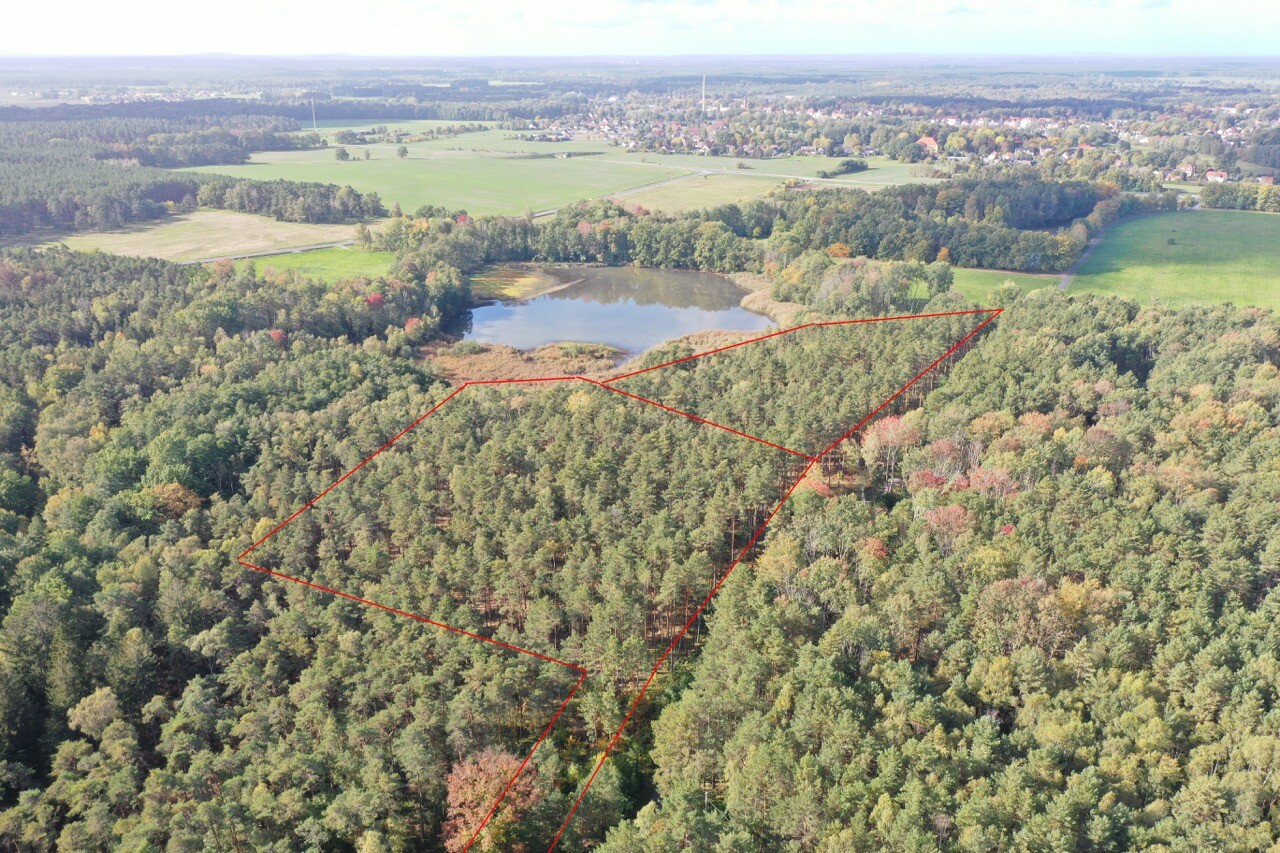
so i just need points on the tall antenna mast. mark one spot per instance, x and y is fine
(314, 126)
(704, 94)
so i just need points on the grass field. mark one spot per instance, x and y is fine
(883, 172)
(484, 172)
(699, 191)
(1215, 256)
(329, 264)
(208, 234)
(976, 285)
(478, 184)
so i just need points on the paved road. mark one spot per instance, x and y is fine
(270, 253)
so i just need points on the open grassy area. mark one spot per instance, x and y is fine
(478, 183)
(1196, 256)
(883, 172)
(699, 191)
(489, 172)
(208, 234)
(329, 264)
(976, 284)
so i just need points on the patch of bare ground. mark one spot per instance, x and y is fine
(469, 361)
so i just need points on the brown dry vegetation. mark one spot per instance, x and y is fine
(498, 361)
(758, 299)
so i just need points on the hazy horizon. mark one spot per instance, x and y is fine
(651, 28)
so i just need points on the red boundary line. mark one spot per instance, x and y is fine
(691, 417)
(796, 329)
(756, 536)
(582, 672)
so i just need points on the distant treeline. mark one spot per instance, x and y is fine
(1016, 224)
(1099, 107)
(102, 173)
(1003, 223)
(208, 147)
(429, 102)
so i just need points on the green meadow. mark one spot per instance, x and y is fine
(1195, 256)
(492, 171)
(329, 264)
(698, 191)
(479, 184)
(976, 285)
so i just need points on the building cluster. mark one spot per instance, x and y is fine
(1199, 146)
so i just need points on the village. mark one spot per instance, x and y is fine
(1203, 146)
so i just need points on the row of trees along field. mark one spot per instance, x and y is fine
(1241, 196)
(102, 173)
(1003, 223)
(1032, 609)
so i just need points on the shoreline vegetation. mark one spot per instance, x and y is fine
(471, 361)
(462, 360)
(516, 281)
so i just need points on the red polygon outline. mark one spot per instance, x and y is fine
(607, 384)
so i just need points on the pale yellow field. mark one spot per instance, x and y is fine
(209, 234)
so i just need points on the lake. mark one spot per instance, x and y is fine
(626, 307)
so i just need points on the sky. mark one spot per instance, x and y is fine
(643, 27)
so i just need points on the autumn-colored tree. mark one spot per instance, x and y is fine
(474, 785)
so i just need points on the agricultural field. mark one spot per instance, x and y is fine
(329, 264)
(883, 172)
(976, 284)
(481, 183)
(698, 191)
(491, 172)
(1196, 256)
(208, 234)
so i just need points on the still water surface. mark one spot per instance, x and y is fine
(626, 307)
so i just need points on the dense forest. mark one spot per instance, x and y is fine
(1051, 628)
(1029, 608)
(1026, 606)
(104, 173)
